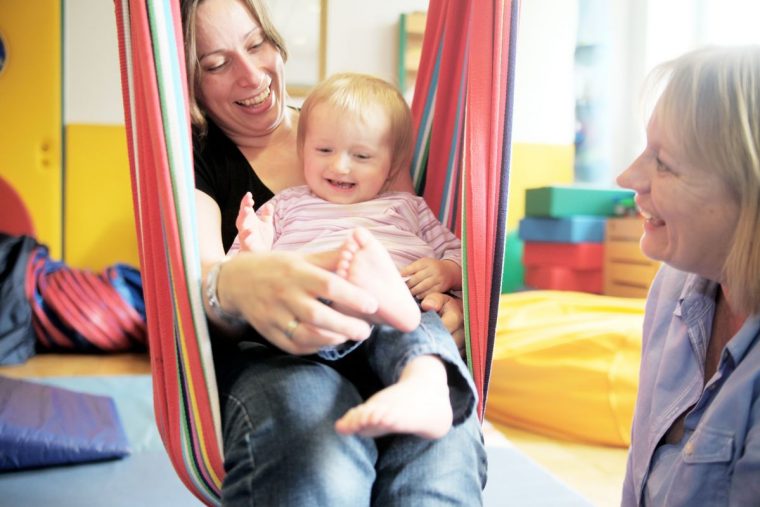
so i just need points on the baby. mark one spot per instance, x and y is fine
(354, 135)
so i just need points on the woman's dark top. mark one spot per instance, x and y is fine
(223, 172)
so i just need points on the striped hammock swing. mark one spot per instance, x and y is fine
(462, 112)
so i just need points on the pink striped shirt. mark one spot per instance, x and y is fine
(401, 221)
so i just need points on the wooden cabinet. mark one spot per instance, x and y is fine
(411, 33)
(627, 271)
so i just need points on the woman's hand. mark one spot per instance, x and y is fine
(451, 310)
(277, 293)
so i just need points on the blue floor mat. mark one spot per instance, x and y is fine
(146, 477)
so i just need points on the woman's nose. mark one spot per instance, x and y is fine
(623, 179)
(635, 176)
(249, 73)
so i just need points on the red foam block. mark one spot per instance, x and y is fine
(583, 256)
(560, 278)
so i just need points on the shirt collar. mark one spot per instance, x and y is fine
(697, 297)
(742, 342)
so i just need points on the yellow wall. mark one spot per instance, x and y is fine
(30, 111)
(99, 222)
(536, 165)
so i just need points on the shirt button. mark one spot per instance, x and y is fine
(689, 449)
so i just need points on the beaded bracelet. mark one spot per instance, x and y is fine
(212, 297)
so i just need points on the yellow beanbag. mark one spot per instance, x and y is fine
(566, 365)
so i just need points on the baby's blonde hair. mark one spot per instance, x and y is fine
(710, 106)
(357, 93)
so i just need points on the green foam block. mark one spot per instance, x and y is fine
(564, 201)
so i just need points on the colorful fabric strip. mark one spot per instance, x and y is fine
(462, 111)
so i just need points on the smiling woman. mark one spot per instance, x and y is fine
(695, 434)
(690, 212)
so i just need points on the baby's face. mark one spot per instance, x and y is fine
(347, 159)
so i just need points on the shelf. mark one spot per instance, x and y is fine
(410, 36)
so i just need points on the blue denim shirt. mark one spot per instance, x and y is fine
(718, 460)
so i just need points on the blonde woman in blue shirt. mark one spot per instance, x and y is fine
(696, 428)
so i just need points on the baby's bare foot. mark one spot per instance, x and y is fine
(366, 263)
(417, 404)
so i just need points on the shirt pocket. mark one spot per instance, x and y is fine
(707, 458)
(709, 445)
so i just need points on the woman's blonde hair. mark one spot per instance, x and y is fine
(711, 107)
(258, 10)
(356, 94)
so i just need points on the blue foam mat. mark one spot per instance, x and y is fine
(144, 478)
(147, 477)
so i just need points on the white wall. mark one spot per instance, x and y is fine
(91, 76)
(363, 37)
(649, 32)
(544, 101)
(92, 86)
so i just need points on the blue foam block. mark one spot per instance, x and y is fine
(573, 200)
(42, 425)
(576, 229)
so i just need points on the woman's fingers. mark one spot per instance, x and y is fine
(311, 338)
(273, 289)
(329, 286)
(329, 326)
(309, 330)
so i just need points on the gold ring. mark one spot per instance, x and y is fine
(292, 325)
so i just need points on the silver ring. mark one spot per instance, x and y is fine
(291, 328)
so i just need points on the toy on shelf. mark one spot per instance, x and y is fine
(581, 229)
(564, 233)
(568, 255)
(569, 200)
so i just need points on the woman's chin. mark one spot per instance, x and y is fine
(651, 250)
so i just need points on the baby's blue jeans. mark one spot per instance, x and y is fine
(281, 448)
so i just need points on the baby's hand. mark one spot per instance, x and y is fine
(255, 232)
(427, 276)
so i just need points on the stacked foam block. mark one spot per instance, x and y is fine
(563, 231)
